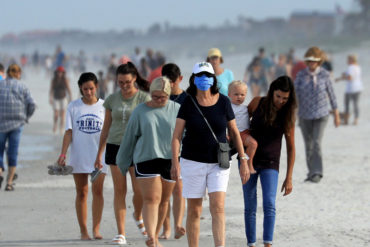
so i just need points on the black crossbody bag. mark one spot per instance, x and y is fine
(223, 156)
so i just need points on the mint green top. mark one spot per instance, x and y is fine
(148, 135)
(121, 110)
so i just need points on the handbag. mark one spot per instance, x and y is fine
(223, 156)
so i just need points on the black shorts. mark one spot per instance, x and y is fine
(111, 151)
(154, 168)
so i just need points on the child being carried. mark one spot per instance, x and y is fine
(237, 93)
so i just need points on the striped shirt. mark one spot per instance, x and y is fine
(16, 104)
(314, 97)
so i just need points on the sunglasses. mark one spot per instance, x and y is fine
(204, 73)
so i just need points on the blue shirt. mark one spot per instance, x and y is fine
(16, 104)
(313, 98)
(223, 81)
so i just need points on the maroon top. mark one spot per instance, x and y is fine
(268, 138)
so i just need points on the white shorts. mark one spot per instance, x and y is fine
(198, 176)
(60, 104)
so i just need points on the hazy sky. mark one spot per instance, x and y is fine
(21, 15)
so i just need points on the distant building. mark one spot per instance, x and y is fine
(312, 23)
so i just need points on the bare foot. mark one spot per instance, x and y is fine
(180, 231)
(150, 242)
(85, 236)
(166, 234)
(97, 236)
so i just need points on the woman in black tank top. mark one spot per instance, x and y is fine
(271, 117)
(59, 90)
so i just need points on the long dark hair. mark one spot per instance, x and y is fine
(85, 77)
(192, 89)
(284, 84)
(129, 68)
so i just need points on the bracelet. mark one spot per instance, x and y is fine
(245, 157)
(62, 156)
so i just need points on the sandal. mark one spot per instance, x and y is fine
(9, 187)
(138, 223)
(59, 170)
(119, 240)
(95, 174)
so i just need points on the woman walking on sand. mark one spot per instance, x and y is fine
(119, 107)
(224, 76)
(353, 88)
(273, 117)
(314, 92)
(147, 144)
(59, 89)
(83, 127)
(16, 107)
(200, 168)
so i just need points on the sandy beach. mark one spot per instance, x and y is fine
(335, 212)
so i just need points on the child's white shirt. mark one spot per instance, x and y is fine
(241, 116)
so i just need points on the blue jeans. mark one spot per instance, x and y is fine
(269, 182)
(13, 137)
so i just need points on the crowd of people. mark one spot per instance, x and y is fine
(180, 143)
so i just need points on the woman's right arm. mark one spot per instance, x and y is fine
(252, 106)
(67, 139)
(103, 138)
(176, 142)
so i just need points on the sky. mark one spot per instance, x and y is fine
(101, 15)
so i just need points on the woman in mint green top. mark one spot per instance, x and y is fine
(147, 143)
(119, 106)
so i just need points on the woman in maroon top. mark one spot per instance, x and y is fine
(273, 117)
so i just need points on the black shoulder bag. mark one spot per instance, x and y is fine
(223, 156)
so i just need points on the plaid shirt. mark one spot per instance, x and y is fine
(313, 97)
(16, 104)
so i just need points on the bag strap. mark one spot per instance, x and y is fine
(205, 119)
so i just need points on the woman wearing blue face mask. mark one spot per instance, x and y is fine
(200, 170)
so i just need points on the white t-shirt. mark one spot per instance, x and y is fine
(354, 85)
(86, 123)
(241, 116)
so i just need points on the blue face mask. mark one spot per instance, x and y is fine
(203, 82)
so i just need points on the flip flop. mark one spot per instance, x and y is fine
(138, 223)
(59, 170)
(95, 174)
(119, 240)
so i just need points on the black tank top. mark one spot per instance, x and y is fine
(59, 88)
(268, 138)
